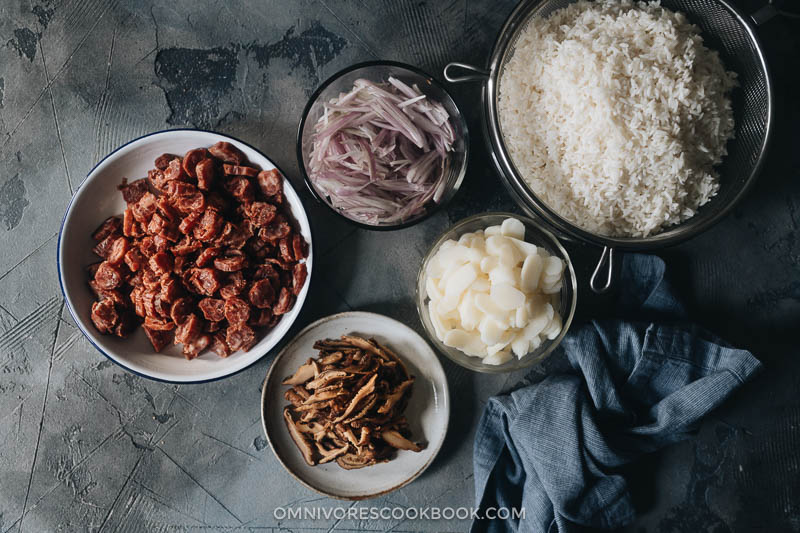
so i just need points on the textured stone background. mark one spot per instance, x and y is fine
(87, 446)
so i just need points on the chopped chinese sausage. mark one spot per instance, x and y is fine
(213, 309)
(270, 182)
(104, 315)
(163, 160)
(205, 173)
(237, 311)
(174, 171)
(133, 192)
(227, 153)
(205, 280)
(196, 251)
(111, 226)
(159, 339)
(240, 337)
(191, 159)
(239, 170)
(299, 275)
(261, 294)
(231, 263)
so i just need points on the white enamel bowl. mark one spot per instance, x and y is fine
(96, 200)
(428, 410)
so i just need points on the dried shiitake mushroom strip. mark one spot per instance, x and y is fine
(347, 404)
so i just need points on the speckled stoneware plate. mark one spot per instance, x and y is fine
(428, 410)
(96, 200)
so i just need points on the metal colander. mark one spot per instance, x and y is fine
(724, 29)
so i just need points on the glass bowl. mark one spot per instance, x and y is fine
(564, 304)
(380, 71)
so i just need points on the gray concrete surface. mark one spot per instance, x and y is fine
(85, 446)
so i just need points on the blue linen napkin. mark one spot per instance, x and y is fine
(555, 448)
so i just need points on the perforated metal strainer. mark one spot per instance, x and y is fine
(724, 29)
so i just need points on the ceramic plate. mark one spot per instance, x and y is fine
(96, 200)
(428, 410)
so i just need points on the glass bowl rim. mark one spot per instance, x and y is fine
(380, 63)
(521, 364)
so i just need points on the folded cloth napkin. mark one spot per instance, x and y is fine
(555, 448)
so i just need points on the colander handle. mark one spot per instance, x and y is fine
(479, 74)
(607, 257)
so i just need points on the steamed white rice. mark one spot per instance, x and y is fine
(615, 113)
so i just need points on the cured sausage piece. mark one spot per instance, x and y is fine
(205, 280)
(186, 246)
(280, 263)
(213, 309)
(134, 259)
(157, 338)
(161, 244)
(170, 288)
(180, 310)
(193, 349)
(190, 203)
(206, 257)
(161, 263)
(118, 251)
(149, 301)
(133, 192)
(276, 231)
(144, 208)
(157, 223)
(191, 159)
(108, 276)
(157, 180)
(138, 301)
(285, 301)
(227, 152)
(220, 346)
(270, 182)
(232, 236)
(299, 247)
(216, 200)
(261, 213)
(111, 226)
(261, 318)
(240, 337)
(129, 226)
(261, 294)
(285, 249)
(230, 264)
(236, 311)
(164, 207)
(241, 189)
(171, 233)
(209, 225)
(267, 271)
(177, 189)
(162, 307)
(189, 222)
(104, 316)
(103, 248)
(163, 160)
(158, 324)
(239, 170)
(234, 285)
(205, 172)
(188, 331)
(174, 171)
(299, 275)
